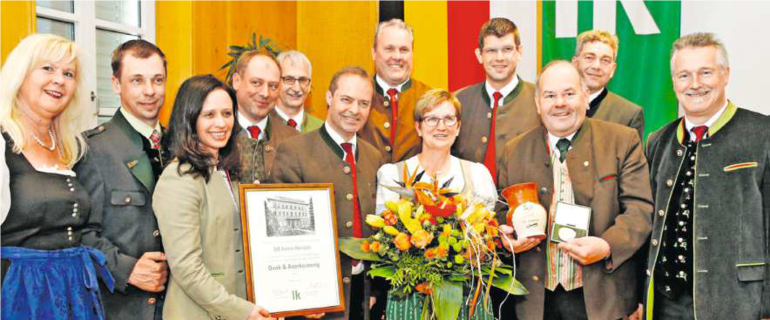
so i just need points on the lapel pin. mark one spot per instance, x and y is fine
(131, 164)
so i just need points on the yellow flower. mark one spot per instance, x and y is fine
(402, 242)
(374, 246)
(391, 230)
(375, 221)
(421, 238)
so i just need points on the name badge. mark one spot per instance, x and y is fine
(570, 221)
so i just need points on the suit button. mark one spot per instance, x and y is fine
(536, 278)
(484, 139)
(386, 103)
(268, 148)
(346, 169)
(349, 197)
(654, 242)
(128, 200)
(489, 115)
(346, 280)
(661, 212)
(648, 272)
(585, 164)
(386, 125)
(388, 148)
(669, 182)
(151, 301)
(679, 152)
(543, 190)
(156, 233)
(537, 249)
(349, 224)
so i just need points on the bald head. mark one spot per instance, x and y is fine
(561, 97)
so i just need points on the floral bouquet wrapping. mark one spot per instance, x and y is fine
(438, 250)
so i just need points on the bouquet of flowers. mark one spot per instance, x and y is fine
(437, 243)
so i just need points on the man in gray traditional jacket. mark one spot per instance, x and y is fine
(710, 172)
(595, 57)
(120, 171)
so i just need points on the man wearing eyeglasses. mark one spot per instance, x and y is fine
(595, 58)
(257, 80)
(499, 108)
(296, 70)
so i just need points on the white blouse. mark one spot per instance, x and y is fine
(483, 186)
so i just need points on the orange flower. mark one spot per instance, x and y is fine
(402, 242)
(431, 253)
(424, 288)
(425, 216)
(421, 238)
(365, 246)
(375, 246)
(442, 252)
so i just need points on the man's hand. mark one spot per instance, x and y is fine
(586, 250)
(150, 272)
(516, 245)
(259, 313)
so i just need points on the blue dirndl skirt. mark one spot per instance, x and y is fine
(56, 284)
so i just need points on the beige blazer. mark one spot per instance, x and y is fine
(196, 220)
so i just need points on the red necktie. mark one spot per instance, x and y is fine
(350, 159)
(489, 157)
(254, 131)
(292, 123)
(155, 139)
(392, 92)
(700, 132)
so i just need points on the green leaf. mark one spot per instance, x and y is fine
(386, 272)
(509, 284)
(447, 299)
(351, 246)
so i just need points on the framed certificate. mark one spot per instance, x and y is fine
(290, 247)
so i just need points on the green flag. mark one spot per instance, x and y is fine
(643, 74)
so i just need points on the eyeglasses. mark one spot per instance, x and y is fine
(449, 121)
(289, 81)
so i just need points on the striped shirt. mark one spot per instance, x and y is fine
(562, 269)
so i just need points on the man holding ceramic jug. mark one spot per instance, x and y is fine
(593, 181)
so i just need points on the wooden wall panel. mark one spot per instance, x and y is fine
(174, 35)
(211, 35)
(334, 34)
(17, 20)
(430, 41)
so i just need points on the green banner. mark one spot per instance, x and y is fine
(643, 74)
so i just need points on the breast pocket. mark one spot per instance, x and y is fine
(128, 198)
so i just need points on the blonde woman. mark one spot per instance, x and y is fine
(46, 273)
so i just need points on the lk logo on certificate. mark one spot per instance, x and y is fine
(570, 221)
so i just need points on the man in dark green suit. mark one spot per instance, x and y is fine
(595, 57)
(119, 171)
(296, 77)
(336, 154)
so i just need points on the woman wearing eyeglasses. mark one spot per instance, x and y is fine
(437, 120)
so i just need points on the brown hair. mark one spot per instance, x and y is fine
(245, 58)
(433, 98)
(138, 48)
(499, 27)
(354, 71)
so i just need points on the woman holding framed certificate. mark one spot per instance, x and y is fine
(197, 210)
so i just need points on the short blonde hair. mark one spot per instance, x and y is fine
(432, 99)
(28, 54)
(597, 35)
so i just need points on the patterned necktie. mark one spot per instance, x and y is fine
(254, 131)
(490, 160)
(700, 132)
(155, 139)
(350, 159)
(563, 146)
(392, 92)
(292, 123)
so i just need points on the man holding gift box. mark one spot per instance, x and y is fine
(588, 163)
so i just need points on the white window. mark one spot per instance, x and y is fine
(98, 27)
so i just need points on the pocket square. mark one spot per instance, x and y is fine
(742, 165)
(609, 177)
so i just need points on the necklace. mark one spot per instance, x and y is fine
(40, 142)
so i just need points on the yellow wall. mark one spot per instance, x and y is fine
(429, 23)
(17, 20)
(342, 36)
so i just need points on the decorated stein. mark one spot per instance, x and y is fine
(525, 213)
